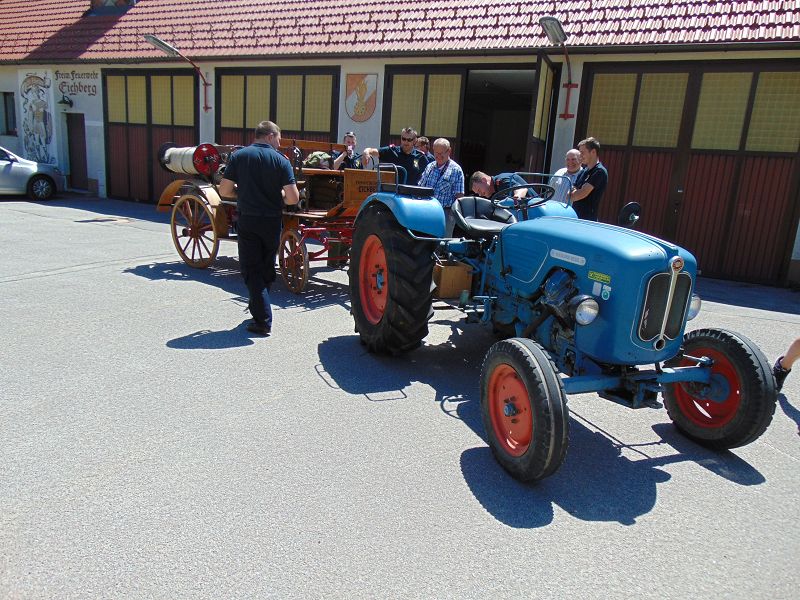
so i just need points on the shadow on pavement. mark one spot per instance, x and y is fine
(106, 206)
(789, 410)
(214, 340)
(749, 295)
(224, 274)
(598, 481)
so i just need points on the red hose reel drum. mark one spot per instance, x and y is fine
(203, 160)
(206, 159)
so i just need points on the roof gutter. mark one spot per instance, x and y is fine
(574, 50)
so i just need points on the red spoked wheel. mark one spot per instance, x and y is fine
(206, 159)
(293, 260)
(524, 409)
(373, 279)
(736, 405)
(193, 231)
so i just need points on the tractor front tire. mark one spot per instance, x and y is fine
(524, 409)
(738, 404)
(391, 283)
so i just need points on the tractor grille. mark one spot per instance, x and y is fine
(658, 303)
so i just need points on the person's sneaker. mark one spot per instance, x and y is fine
(259, 328)
(780, 373)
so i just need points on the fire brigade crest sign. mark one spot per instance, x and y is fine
(362, 91)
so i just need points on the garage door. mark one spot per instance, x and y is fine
(711, 153)
(142, 113)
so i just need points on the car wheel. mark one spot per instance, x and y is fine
(41, 188)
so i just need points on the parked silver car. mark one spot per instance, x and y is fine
(21, 176)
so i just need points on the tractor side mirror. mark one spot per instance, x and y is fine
(629, 214)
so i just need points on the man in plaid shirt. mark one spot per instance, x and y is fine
(446, 178)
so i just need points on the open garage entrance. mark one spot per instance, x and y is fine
(496, 117)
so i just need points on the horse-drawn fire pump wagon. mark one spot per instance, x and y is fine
(320, 229)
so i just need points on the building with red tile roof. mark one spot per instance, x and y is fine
(694, 102)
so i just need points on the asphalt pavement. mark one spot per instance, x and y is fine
(151, 448)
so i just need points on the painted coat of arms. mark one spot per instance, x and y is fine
(362, 91)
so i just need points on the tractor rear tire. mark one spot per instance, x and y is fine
(524, 409)
(738, 405)
(391, 283)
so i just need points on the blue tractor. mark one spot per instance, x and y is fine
(582, 307)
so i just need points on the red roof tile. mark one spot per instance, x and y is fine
(60, 30)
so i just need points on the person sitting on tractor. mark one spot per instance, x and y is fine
(487, 186)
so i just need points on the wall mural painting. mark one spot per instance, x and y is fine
(362, 91)
(36, 96)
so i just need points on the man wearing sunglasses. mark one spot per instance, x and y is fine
(406, 156)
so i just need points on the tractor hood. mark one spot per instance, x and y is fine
(610, 263)
(595, 252)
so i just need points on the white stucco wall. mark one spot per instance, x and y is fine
(89, 102)
(83, 85)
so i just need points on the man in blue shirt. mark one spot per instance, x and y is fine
(447, 180)
(406, 156)
(591, 183)
(262, 180)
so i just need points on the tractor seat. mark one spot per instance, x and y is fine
(414, 191)
(479, 218)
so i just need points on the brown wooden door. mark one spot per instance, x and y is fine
(76, 142)
(142, 113)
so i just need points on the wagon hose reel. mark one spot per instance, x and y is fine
(204, 160)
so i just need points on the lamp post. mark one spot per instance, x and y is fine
(556, 35)
(171, 50)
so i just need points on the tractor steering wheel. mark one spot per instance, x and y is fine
(542, 190)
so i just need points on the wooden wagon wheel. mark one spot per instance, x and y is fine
(293, 260)
(193, 231)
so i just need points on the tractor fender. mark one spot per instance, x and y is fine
(419, 215)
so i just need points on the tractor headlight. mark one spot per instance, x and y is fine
(694, 307)
(584, 309)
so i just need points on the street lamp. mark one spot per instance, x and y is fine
(556, 35)
(171, 50)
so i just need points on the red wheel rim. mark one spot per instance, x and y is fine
(206, 159)
(698, 407)
(510, 410)
(373, 280)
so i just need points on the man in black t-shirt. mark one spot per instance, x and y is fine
(348, 159)
(591, 183)
(406, 156)
(262, 180)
